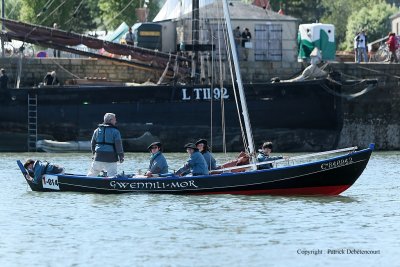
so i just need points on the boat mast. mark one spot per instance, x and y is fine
(195, 38)
(243, 103)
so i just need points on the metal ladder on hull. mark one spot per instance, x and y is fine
(32, 122)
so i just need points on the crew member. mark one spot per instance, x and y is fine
(106, 147)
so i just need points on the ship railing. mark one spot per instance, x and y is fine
(288, 159)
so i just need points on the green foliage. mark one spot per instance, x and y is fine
(307, 11)
(114, 12)
(340, 11)
(71, 15)
(12, 9)
(374, 18)
(347, 16)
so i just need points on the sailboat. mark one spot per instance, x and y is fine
(324, 176)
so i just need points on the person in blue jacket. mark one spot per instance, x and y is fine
(158, 164)
(196, 163)
(106, 147)
(36, 169)
(264, 156)
(204, 149)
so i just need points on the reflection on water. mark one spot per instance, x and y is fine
(77, 229)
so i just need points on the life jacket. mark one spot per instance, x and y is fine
(102, 141)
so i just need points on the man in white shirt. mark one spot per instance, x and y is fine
(361, 46)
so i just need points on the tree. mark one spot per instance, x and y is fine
(68, 14)
(338, 12)
(12, 9)
(114, 12)
(307, 11)
(374, 19)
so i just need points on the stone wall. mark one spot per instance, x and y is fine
(33, 70)
(372, 117)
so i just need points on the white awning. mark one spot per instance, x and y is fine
(174, 9)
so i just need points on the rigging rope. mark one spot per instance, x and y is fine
(221, 85)
(229, 56)
(73, 17)
(64, 69)
(119, 13)
(234, 88)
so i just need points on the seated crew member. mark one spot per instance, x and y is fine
(196, 163)
(51, 79)
(158, 164)
(204, 149)
(37, 168)
(264, 156)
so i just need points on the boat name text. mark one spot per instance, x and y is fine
(204, 93)
(152, 185)
(336, 163)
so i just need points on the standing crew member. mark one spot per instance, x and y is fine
(106, 147)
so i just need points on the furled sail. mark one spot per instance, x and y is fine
(66, 41)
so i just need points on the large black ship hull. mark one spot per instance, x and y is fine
(298, 116)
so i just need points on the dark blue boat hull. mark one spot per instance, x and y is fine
(325, 177)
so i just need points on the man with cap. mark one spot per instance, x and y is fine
(264, 156)
(106, 147)
(202, 146)
(196, 163)
(158, 163)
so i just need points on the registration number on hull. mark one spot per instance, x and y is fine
(50, 182)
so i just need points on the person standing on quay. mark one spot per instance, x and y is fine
(129, 37)
(106, 147)
(361, 41)
(246, 38)
(238, 36)
(392, 43)
(56, 53)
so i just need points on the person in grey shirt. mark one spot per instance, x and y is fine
(204, 149)
(196, 163)
(106, 147)
(158, 164)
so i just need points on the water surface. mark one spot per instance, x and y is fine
(78, 229)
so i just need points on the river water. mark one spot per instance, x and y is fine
(78, 229)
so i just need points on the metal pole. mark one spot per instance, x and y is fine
(195, 38)
(245, 112)
(2, 28)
